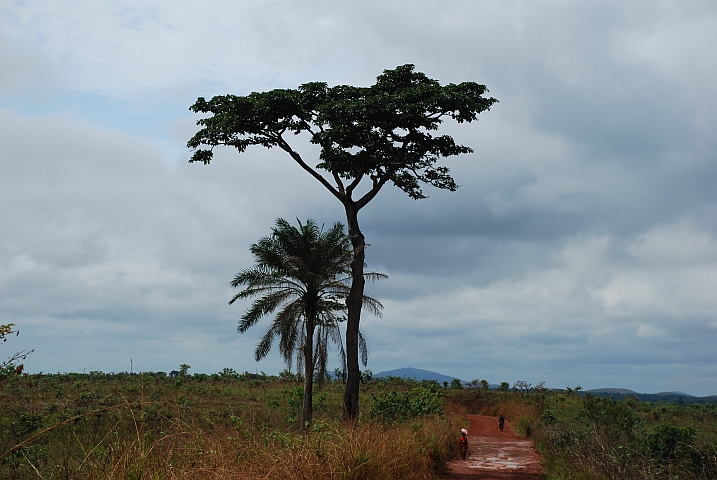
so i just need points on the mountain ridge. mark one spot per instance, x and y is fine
(420, 374)
(417, 374)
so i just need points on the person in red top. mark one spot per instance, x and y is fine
(463, 443)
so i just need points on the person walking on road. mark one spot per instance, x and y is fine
(501, 422)
(463, 443)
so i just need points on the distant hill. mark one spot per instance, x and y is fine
(625, 391)
(668, 397)
(682, 394)
(416, 374)
(616, 391)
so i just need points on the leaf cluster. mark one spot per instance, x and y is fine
(6, 330)
(7, 367)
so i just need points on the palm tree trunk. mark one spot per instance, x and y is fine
(308, 407)
(354, 302)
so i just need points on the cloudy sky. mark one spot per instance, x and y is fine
(581, 248)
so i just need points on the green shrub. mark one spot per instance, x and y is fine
(420, 401)
(670, 443)
(523, 428)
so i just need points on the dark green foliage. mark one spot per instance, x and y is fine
(670, 443)
(456, 384)
(25, 424)
(616, 419)
(382, 132)
(420, 401)
(7, 370)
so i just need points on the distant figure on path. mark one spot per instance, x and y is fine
(463, 443)
(501, 422)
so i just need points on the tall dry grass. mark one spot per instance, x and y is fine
(338, 451)
(367, 451)
(166, 429)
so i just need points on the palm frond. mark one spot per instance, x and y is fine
(260, 307)
(363, 348)
(264, 345)
(372, 305)
(374, 276)
(290, 319)
(321, 357)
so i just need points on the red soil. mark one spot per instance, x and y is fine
(495, 455)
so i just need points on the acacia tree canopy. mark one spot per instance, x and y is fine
(381, 133)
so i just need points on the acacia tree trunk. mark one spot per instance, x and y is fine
(308, 407)
(354, 302)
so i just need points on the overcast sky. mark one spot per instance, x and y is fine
(581, 248)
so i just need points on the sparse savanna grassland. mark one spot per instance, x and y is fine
(232, 426)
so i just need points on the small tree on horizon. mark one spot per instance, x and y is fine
(368, 136)
(8, 366)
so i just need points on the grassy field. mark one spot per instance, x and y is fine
(153, 426)
(232, 426)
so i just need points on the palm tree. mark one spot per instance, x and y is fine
(304, 273)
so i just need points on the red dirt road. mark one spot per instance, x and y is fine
(495, 455)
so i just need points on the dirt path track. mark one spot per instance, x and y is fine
(495, 455)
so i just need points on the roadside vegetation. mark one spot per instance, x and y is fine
(590, 438)
(240, 426)
(584, 437)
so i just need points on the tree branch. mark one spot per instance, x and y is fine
(354, 184)
(377, 185)
(297, 158)
(339, 183)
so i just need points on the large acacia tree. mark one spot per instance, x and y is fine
(368, 136)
